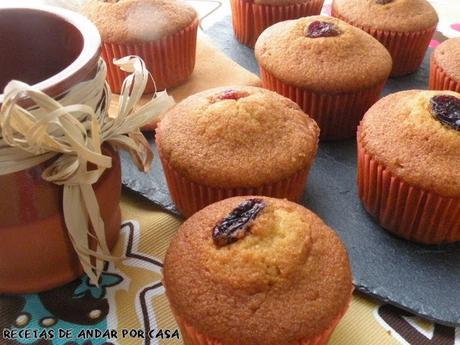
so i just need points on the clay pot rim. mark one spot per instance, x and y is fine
(88, 56)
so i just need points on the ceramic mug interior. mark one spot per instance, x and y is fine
(48, 47)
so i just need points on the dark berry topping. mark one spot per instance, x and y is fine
(383, 2)
(447, 110)
(230, 94)
(322, 29)
(238, 222)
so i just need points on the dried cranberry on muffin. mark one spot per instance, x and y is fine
(409, 165)
(255, 270)
(232, 141)
(251, 17)
(404, 27)
(333, 70)
(445, 66)
(162, 32)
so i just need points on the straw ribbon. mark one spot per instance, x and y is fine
(71, 131)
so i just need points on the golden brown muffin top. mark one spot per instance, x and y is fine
(130, 21)
(394, 15)
(401, 132)
(288, 279)
(347, 62)
(237, 136)
(447, 56)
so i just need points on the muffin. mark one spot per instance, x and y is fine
(233, 141)
(409, 165)
(162, 32)
(404, 27)
(333, 70)
(254, 270)
(445, 66)
(251, 17)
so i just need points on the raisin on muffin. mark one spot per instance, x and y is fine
(333, 70)
(255, 270)
(235, 140)
(409, 165)
(251, 17)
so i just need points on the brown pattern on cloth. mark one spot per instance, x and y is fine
(62, 304)
(394, 317)
(130, 253)
(10, 307)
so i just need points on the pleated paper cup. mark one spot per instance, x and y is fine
(407, 49)
(190, 197)
(405, 210)
(337, 114)
(250, 19)
(440, 80)
(191, 336)
(170, 59)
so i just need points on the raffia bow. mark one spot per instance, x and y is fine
(72, 130)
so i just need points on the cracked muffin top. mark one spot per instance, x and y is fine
(323, 54)
(388, 15)
(131, 21)
(416, 135)
(237, 136)
(285, 268)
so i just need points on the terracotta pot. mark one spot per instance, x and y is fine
(52, 49)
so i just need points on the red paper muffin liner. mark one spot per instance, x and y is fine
(407, 49)
(192, 336)
(405, 210)
(337, 115)
(190, 197)
(440, 80)
(170, 59)
(250, 19)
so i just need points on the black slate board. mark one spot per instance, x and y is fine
(422, 279)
